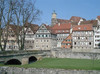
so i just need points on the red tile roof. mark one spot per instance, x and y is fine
(62, 21)
(61, 28)
(98, 17)
(75, 19)
(92, 22)
(87, 27)
(34, 27)
(15, 28)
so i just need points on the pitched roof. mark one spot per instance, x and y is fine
(34, 27)
(62, 21)
(98, 17)
(92, 22)
(62, 26)
(87, 27)
(15, 28)
(75, 19)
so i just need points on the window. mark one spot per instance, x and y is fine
(42, 26)
(86, 38)
(46, 35)
(75, 43)
(68, 40)
(89, 43)
(78, 37)
(42, 35)
(86, 32)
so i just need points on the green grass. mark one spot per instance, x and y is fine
(59, 63)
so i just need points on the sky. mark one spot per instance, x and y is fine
(65, 9)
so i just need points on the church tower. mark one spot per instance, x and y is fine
(54, 19)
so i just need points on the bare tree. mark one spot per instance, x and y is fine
(5, 20)
(24, 13)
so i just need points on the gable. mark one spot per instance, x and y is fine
(29, 31)
(43, 29)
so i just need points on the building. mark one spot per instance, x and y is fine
(62, 31)
(97, 34)
(29, 37)
(76, 20)
(10, 34)
(45, 39)
(96, 27)
(55, 20)
(67, 42)
(83, 37)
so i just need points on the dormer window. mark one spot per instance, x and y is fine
(84, 28)
(79, 28)
(42, 26)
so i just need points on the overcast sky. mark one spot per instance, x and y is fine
(88, 9)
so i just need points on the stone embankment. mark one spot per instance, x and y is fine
(15, 70)
(76, 55)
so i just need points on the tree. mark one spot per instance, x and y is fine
(6, 12)
(17, 12)
(24, 13)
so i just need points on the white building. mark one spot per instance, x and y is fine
(29, 37)
(45, 39)
(97, 34)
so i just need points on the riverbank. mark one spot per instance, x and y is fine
(16, 70)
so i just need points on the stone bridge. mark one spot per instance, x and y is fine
(20, 59)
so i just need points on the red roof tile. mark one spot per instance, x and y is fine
(62, 21)
(61, 28)
(75, 19)
(92, 22)
(87, 27)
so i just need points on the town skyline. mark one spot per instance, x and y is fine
(66, 9)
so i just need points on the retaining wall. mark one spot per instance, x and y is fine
(15, 70)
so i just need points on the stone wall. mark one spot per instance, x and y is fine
(77, 55)
(15, 70)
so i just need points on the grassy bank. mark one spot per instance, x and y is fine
(64, 63)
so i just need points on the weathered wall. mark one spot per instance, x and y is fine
(78, 55)
(14, 70)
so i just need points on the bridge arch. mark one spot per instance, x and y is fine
(13, 62)
(32, 59)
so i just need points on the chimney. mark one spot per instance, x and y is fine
(58, 24)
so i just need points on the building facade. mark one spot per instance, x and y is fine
(30, 36)
(97, 34)
(62, 31)
(83, 37)
(45, 39)
(10, 33)
(67, 43)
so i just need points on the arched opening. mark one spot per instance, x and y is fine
(32, 59)
(13, 62)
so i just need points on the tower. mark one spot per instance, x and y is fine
(54, 19)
